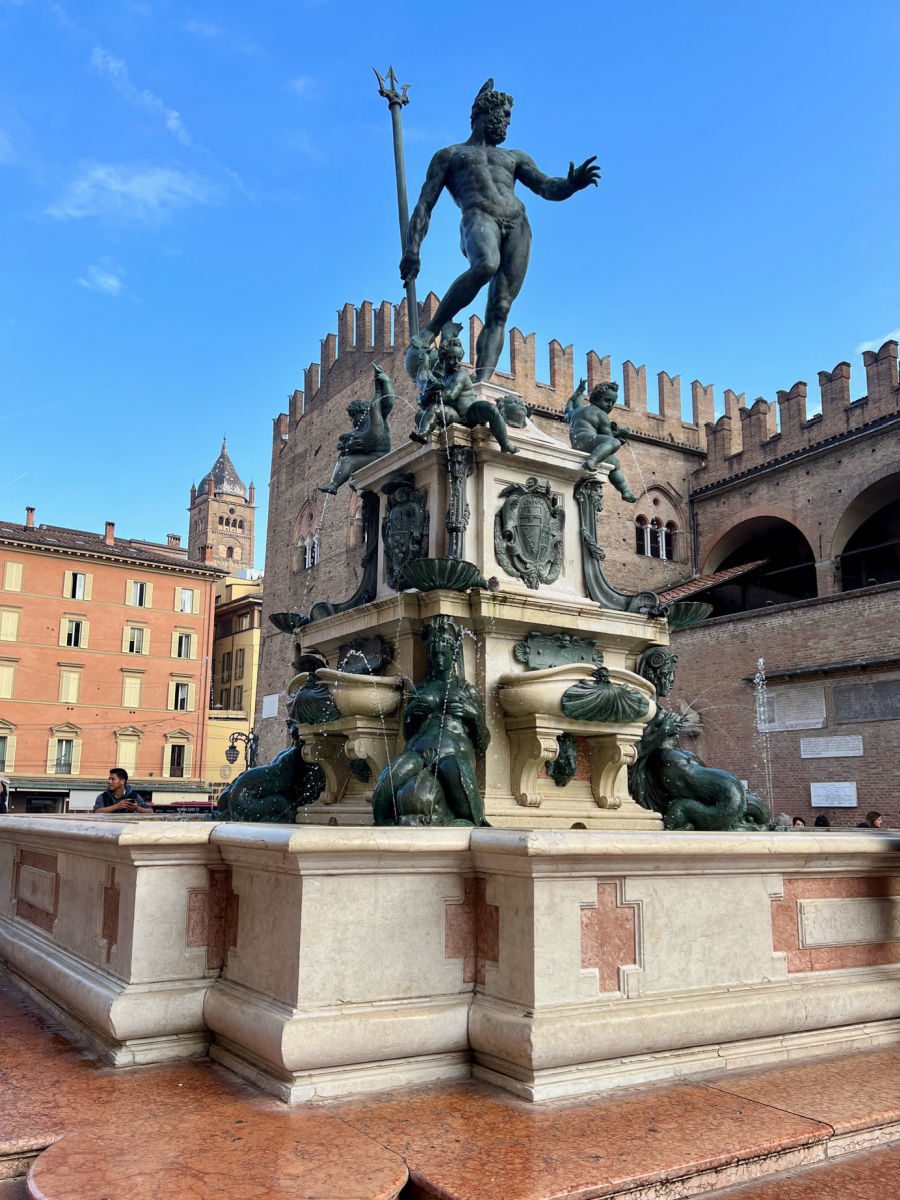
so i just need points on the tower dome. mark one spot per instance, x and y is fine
(223, 477)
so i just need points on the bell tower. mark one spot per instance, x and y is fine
(222, 514)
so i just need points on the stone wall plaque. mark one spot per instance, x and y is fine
(270, 705)
(875, 700)
(833, 795)
(849, 922)
(795, 708)
(831, 747)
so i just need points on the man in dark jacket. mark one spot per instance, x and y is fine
(119, 797)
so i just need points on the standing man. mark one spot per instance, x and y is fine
(119, 797)
(494, 232)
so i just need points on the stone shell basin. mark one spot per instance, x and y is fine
(362, 695)
(540, 693)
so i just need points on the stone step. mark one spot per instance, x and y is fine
(85, 1130)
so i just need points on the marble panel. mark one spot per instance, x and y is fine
(839, 922)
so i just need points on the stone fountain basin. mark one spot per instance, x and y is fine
(362, 695)
(534, 693)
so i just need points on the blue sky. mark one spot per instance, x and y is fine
(188, 193)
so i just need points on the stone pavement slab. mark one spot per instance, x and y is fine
(874, 1175)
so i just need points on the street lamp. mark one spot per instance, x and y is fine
(250, 743)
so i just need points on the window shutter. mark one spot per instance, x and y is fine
(194, 642)
(192, 697)
(173, 651)
(131, 691)
(170, 703)
(88, 586)
(7, 678)
(67, 585)
(125, 635)
(51, 756)
(167, 762)
(85, 631)
(9, 625)
(12, 577)
(76, 757)
(196, 604)
(146, 649)
(148, 594)
(129, 592)
(10, 752)
(63, 630)
(188, 760)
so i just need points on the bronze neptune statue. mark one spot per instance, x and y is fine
(494, 232)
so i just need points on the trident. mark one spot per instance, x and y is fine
(396, 100)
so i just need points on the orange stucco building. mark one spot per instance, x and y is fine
(104, 661)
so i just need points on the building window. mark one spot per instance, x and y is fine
(4, 752)
(239, 663)
(243, 622)
(226, 667)
(186, 600)
(135, 640)
(131, 691)
(74, 632)
(69, 686)
(77, 580)
(180, 696)
(654, 539)
(12, 577)
(221, 520)
(238, 697)
(7, 680)
(139, 596)
(310, 551)
(176, 761)
(183, 644)
(225, 697)
(65, 748)
(229, 552)
(9, 624)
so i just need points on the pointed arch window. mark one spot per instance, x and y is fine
(653, 538)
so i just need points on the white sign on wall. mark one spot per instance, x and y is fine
(794, 708)
(270, 706)
(832, 795)
(831, 747)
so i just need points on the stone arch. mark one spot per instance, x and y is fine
(731, 533)
(788, 565)
(660, 524)
(866, 542)
(873, 491)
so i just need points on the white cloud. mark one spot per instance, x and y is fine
(142, 194)
(104, 276)
(116, 71)
(303, 85)
(62, 16)
(204, 29)
(893, 336)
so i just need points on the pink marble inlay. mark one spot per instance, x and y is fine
(472, 931)
(109, 921)
(212, 917)
(786, 922)
(609, 936)
(37, 872)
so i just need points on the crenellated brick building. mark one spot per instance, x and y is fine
(765, 508)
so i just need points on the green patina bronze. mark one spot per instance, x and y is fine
(589, 498)
(514, 410)
(690, 795)
(274, 793)
(448, 397)
(528, 532)
(404, 530)
(312, 704)
(599, 699)
(538, 651)
(433, 782)
(370, 437)
(562, 770)
(684, 613)
(290, 622)
(495, 234)
(365, 656)
(591, 430)
(657, 666)
(429, 574)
